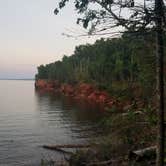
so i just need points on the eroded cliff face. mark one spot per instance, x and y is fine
(47, 85)
(81, 91)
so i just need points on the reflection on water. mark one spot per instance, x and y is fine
(29, 119)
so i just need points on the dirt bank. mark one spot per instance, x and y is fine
(83, 91)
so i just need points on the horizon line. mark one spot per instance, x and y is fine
(17, 78)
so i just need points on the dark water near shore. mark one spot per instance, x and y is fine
(29, 119)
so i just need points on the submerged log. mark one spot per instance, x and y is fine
(57, 149)
(60, 148)
(66, 146)
(106, 162)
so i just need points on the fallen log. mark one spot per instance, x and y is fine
(100, 163)
(135, 113)
(143, 153)
(57, 149)
(60, 148)
(66, 146)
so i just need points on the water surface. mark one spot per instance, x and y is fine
(29, 119)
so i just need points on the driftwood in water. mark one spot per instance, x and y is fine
(61, 147)
(56, 149)
(66, 146)
(100, 163)
(143, 153)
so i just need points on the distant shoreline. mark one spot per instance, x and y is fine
(23, 79)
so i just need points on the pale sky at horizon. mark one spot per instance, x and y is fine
(32, 35)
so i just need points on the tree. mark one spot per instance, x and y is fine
(104, 16)
(159, 13)
(42, 72)
(110, 15)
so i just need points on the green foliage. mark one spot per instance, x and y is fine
(111, 64)
(106, 123)
(151, 115)
(42, 72)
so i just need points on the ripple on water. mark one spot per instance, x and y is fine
(30, 119)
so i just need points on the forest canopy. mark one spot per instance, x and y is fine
(129, 58)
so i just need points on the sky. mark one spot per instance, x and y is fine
(30, 35)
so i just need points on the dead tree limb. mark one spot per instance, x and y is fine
(146, 152)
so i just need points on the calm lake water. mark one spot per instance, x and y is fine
(29, 119)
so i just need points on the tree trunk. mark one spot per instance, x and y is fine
(160, 82)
